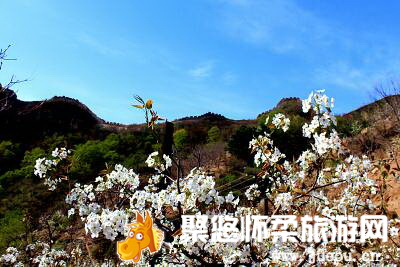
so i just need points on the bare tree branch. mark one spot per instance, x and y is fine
(3, 56)
(390, 95)
(13, 81)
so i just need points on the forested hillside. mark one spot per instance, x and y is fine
(32, 130)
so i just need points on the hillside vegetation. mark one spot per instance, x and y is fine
(31, 130)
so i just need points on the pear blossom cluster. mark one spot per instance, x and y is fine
(281, 122)
(252, 192)
(318, 102)
(110, 223)
(265, 151)
(153, 161)
(99, 219)
(120, 177)
(196, 187)
(324, 144)
(51, 257)
(305, 185)
(306, 159)
(284, 200)
(43, 167)
(11, 257)
(322, 107)
(60, 153)
(40, 254)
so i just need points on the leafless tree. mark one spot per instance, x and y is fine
(4, 96)
(389, 95)
(198, 155)
(3, 56)
(389, 103)
(209, 155)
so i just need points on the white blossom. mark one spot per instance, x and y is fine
(281, 122)
(252, 192)
(284, 200)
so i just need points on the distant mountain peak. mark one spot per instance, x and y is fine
(206, 116)
(288, 105)
(58, 115)
(282, 104)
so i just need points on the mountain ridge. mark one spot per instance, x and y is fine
(61, 114)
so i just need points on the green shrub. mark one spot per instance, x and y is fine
(11, 229)
(9, 155)
(214, 134)
(349, 126)
(181, 139)
(238, 145)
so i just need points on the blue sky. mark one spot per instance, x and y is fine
(237, 58)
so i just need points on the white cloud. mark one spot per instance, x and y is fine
(99, 46)
(334, 53)
(203, 70)
(346, 75)
(229, 77)
(280, 25)
(342, 74)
